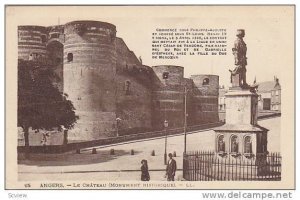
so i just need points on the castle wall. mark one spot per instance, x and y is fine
(89, 77)
(189, 102)
(168, 96)
(55, 52)
(133, 100)
(205, 98)
(105, 81)
(31, 42)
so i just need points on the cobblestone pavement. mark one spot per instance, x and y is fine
(123, 165)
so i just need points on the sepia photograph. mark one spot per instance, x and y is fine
(150, 97)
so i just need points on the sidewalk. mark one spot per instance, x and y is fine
(98, 176)
(123, 165)
(103, 166)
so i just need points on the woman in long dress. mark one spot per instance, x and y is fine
(144, 169)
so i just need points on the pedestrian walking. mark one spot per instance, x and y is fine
(144, 169)
(171, 168)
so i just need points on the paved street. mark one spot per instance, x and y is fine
(123, 165)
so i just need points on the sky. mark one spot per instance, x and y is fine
(269, 33)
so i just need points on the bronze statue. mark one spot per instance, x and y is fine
(240, 60)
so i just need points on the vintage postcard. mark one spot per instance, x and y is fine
(150, 97)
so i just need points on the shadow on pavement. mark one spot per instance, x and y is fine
(71, 158)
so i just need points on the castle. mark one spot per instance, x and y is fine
(112, 90)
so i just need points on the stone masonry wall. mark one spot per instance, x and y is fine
(133, 100)
(205, 99)
(31, 42)
(105, 81)
(89, 76)
(168, 96)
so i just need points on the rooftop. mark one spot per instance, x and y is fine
(267, 86)
(241, 128)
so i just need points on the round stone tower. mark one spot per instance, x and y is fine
(205, 101)
(168, 96)
(89, 77)
(32, 42)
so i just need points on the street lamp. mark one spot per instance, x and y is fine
(166, 124)
(185, 122)
(118, 120)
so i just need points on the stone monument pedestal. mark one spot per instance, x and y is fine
(241, 135)
(235, 81)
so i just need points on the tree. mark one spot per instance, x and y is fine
(40, 104)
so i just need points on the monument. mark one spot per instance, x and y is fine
(238, 75)
(241, 136)
(241, 152)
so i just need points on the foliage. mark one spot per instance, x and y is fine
(40, 104)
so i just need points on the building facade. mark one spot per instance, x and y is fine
(222, 104)
(269, 95)
(113, 92)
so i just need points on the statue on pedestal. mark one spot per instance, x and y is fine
(238, 75)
